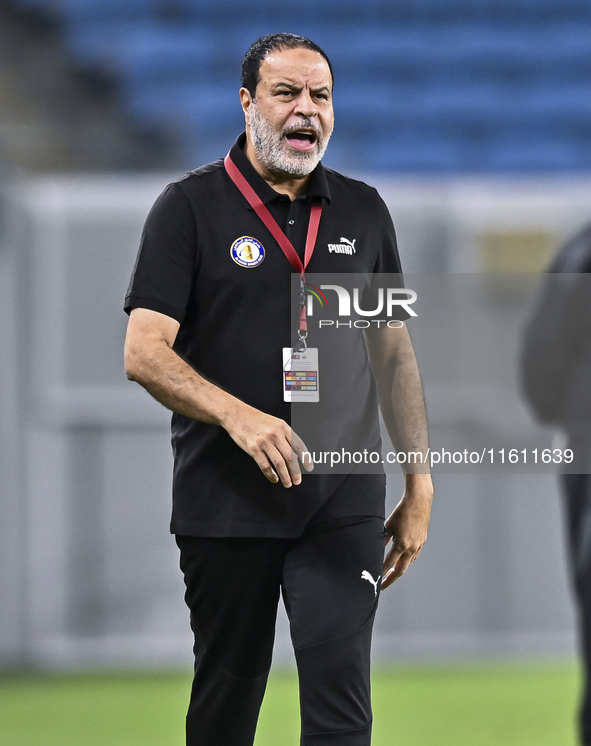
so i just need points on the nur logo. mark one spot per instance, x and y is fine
(345, 247)
(317, 293)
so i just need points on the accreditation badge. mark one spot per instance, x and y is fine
(300, 375)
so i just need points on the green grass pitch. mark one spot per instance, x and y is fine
(484, 705)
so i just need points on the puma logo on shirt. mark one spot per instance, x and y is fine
(345, 247)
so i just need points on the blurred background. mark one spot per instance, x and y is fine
(472, 117)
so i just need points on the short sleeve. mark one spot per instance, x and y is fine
(388, 259)
(162, 277)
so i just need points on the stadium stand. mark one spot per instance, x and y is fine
(421, 85)
(54, 118)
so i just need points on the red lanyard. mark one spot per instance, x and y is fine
(271, 224)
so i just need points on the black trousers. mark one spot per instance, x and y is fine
(577, 493)
(329, 578)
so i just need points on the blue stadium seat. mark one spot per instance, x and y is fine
(367, 108)
(199, 150)
(185, 107)
(533, 9)
(532, 154)
(281, 16)
(33, 4)
(566, 103)
(378, 47)
(457, 103)
(393, 154)
(145, 50)
(92, 10)
(107, 10)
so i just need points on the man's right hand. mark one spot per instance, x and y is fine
(270, 441)
(151, 361)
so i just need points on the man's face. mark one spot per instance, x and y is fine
(290, 120)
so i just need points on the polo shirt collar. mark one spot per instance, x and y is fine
(318, 186)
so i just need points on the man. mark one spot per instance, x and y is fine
(209, 305)
(555, 369)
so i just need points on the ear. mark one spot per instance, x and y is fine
(245, 102)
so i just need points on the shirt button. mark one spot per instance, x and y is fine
(291, 222)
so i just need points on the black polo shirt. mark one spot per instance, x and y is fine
(235, 320)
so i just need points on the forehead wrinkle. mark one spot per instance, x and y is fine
(294, 77)
(272, 84)
(283, 83)
(294, 73)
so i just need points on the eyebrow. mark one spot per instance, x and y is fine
(295, 87)
(283, 84)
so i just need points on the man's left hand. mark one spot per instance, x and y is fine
(407, 527)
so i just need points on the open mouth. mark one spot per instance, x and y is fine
(302, 139)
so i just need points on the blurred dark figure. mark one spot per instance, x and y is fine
(556, 380)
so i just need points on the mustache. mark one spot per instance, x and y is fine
(304, 123)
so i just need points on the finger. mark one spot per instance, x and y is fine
(290, 454)
(281, 463)
(397, 571)
(267, 469)
(391, 559)
(299, 448)
(296, 474)
(282, 460)
(401, 566)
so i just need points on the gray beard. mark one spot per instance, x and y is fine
(270, 147)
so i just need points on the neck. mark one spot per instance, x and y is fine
(283, 183)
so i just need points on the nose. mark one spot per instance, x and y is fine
(305, 106)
